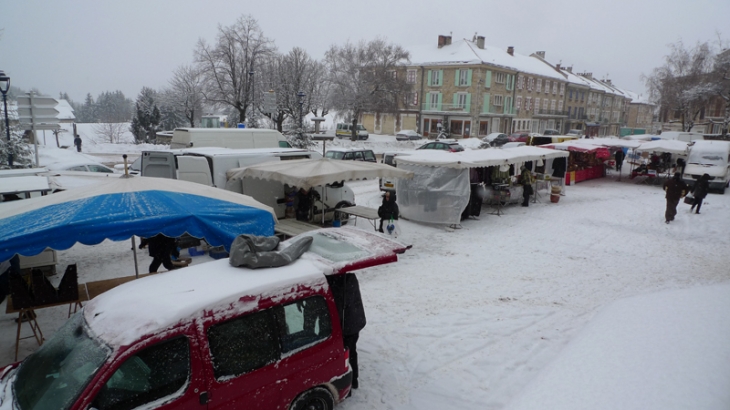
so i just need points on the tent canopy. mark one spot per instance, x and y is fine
(671, 146)
(307, 173)
(118, 208)
(479, 158)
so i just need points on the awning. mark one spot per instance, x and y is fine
(479, 158)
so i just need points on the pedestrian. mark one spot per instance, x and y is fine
(676, 189)
(346, 292)
(77, 143)
(388, 210)
(161, 247)
(7, 268)
(306, 199)
(526, 180)
(619, 157)
(701, 188)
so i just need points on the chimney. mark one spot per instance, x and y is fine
(442, 41)
(558, 67)
(511, 50)
(609, 82)
(448, 41)
(570, 69)
(587, 75)
(480, 42)
(540, 54)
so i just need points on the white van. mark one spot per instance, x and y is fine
(389, 159)
(712, 158)
(227, 138)
(344, 130)
(681, 136)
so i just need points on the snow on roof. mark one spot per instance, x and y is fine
(478, 158)
(145, 306)
(463, 52)
(65, 111)
(673, 146)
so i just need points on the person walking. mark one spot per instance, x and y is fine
(160, 248)
(619, 157)
(77, 143)
(346, 292)
(388, 210)
(527, 180)
(675, 189)
(701, 188)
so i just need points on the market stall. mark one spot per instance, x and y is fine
(445, 183)
(589, 157)
(659, 157)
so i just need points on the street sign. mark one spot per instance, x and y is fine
(41, 126)
(43, 109)
(269, 103)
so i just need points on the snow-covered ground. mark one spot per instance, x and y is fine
(593, 302)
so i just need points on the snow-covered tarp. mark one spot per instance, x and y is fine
(478, 158)
(672, 146)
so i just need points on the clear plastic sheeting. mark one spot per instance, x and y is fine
(435, 195)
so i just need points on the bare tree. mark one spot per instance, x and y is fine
(185, 94)
(111, 131)
(683, 85)
(364, 78)
(722, 79)
(227, 65)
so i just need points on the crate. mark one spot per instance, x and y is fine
(195, 252)
(218, 253)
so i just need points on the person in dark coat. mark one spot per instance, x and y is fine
(702, 187)
(160, 248)
(305, 203)
(77, 143)
(676, 189)
(346, 292)
(389, 209)
(619, 157)
(526, 180)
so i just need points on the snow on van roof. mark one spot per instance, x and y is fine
(235, 151)
(227, 130)
(145, 306)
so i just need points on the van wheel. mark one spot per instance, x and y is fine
(342, 216)
(318, 398)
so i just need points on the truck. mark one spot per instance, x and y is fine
(227, 138)
(211, 166)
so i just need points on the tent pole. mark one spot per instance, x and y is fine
(324, 194)
(134, 250)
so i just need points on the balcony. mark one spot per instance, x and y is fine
(460, 108)
(552, 113)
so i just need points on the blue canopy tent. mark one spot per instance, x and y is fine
(120, 208)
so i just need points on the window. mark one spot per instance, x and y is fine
(411, 99)
(433, 101)
(499, 78)
(560, 105)
(530, 83)
(435, 77)
(149, 375)
(562, 90)
(304, 323)
(463, 77)
(528, 103)
(545, 103)
(547, 86)
(243, 344)
(552, 105)
(555, 87)
(498, 100)
(508, 105)
(537, 104)
(411, 76)
(582, 95)
(393, 74)
(518, 103)
(538, 88)
(520, 81)
(570, 94)
(460, 100)
(510, 84)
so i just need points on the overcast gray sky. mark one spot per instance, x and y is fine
(85, 46)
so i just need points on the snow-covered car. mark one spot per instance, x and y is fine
(80, 166)
(366, 155)
(513, 144)
(551, 132)
(406, 135)
(443, 145)
(496, 139)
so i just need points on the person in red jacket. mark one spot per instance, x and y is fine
(676, 189)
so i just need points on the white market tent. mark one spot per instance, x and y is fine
(671, 146)
(440, 188)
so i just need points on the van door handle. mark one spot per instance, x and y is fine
(204, 397)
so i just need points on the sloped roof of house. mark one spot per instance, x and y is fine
(463, 52)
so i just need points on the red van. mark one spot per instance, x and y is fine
(207, 336)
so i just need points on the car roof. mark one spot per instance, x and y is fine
(348, 149)
(60, 166)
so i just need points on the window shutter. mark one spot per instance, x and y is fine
(508, 105)
(438, 102)
(511, 82)
(488, 81)
(485, 108)
(456, 78)
(468, 102)
(440, 80)
(456, 100)
(468, 77)
(429, 78)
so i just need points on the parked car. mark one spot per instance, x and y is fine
(551, 132)
(496, 139)
(210, 336)
(351, 154)
(519, 137)
(442, 145)
(344, 130)
(80, 166)
(389, 159)
(407, 135)
(575, 132)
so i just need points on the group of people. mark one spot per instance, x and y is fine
(676, 189)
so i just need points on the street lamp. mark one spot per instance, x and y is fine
(4, 87)
(301, 95)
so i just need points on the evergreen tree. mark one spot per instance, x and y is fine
(146, 121)
(21, 152)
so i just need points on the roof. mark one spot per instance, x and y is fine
(479, 158)
(465, 52)
(157, 302)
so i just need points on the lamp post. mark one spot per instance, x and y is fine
(4, 87)
(301, 95)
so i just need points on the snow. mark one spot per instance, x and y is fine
(593, 302)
